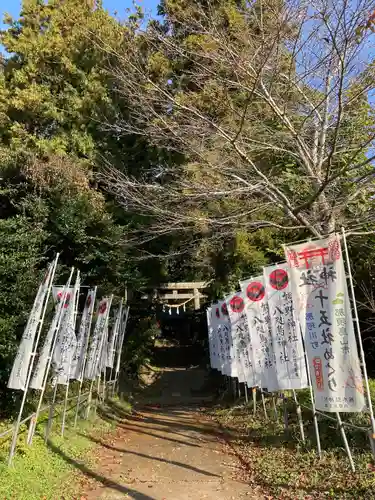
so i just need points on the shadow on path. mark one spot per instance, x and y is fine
(131, 427)
(108, 483)
(150, 457)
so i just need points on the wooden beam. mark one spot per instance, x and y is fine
(197, 302)
(183, 286)
(182, 296)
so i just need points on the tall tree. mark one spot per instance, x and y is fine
(53, 88)
(261, 99)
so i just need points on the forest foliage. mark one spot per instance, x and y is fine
(179, 148)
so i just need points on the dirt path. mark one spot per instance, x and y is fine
(166, 454)
(167, 449)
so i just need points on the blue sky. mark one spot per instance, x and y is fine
(13, 7)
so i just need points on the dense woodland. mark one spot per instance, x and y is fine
(190, 146)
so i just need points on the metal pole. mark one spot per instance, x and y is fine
(104, 368)
(246, 397)
(82, 374)
(76, 290)
(110, 381)
(285, 413)
(356, 321)
(104, 383)
(254, 401)
(24, 396)
(115, 344)
(97, 394)
(98, 361)
(315, 416)
(50, 414)
(299, 414)
(64, 411)
(348, 452)
(264, 405)
(89, 399)
(45, 379)
(121, 343)
(274, 398)
(31, 427)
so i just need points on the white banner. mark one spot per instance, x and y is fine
(121, 338)
(18, 375)
(286, 335)
(101, 363)
(103, 360)
(57, 292)
(40, 369)
(226, 348)
(215, 322)
(220, 362)
(112, 343)
(94, 353)
(83, 336)
(243, 350)
(44, 359)
(260, 331)
(66, 342)
(321, 300)
(211, 336)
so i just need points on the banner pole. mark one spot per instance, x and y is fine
(28, 377)
(254, 391)
(50, 414)
(274, 398)
(89, 399)
(82, 374)
(75, 313)
(348, 452)
(121, 344)
(315, 417)
(45, 378)
(285, 412)
(115, 343)
(111, 382)
(104, 383)
(98, 361)
(359, 336)
(246, 397)
(299, 415)
(264, 405)
(97, 400)
(64, 410)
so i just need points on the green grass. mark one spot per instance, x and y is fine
(45, 472)
(284, 467)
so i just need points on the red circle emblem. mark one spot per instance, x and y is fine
(217, 312)
(255, 291)
(237, 304)
(279, 279)
(67, 301)
(103, 307)
(224, 309)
